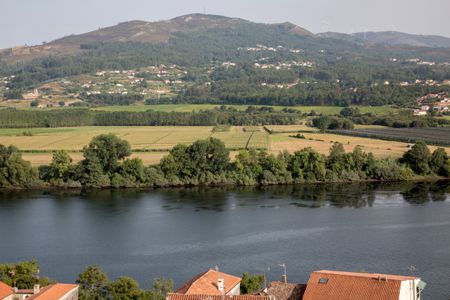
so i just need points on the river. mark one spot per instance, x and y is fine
(178, 233)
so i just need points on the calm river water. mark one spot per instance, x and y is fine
(177, 233)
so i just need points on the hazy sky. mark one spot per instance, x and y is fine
(34, 21)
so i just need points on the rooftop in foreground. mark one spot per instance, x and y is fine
(337, 285)
(207, 284)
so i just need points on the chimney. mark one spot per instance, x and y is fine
(220, 285)
(36, 289)
(284, 278)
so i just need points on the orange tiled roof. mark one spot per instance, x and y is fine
(285, 291)
(206, 283)
(176, 296)
(353, 286)
(5, 290)
(53, 292)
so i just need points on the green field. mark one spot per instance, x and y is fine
(327, 110)
(159, 107)
(152, 143)
(141, 138)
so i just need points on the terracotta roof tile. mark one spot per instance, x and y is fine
(206, 283)
(176, 296)
(53, 292)
(353, 286)
(285, 291)
(5, 290)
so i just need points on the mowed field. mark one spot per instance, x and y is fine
(141, 138)
(152, 143)
(326, 110)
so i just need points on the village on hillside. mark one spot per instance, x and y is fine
(155, 82)
(437, 103)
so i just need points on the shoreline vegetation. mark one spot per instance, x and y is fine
(106, 164)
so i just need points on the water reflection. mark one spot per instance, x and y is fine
(421, 193)
(223, 198)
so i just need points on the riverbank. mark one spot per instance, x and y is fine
(78, 188)
(107, 164)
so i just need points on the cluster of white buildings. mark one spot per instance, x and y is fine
(260, 47)
(437, 102)
(285, 65)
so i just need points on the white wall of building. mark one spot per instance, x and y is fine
(408, 290)
(235, 291)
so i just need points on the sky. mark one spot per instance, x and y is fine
(32, 22)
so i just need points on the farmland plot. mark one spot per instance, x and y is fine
(436, 136)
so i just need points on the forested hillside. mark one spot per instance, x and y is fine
(228, 60)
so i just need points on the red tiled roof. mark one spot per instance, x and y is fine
(53, 292)
(353, 286)
(206, 283)
(285, 291)
(176, 296)
(5, 290)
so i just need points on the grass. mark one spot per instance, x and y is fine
(322, 142)
(290, 128)
(158, 107)
(38, 159)
(221, 128)
(327, 110)
(152, 143)
(141, 138)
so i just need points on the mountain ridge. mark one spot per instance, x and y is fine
(160, 32)
(392, 38)
(137, 31)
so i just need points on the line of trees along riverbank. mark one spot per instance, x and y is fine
(107, 164)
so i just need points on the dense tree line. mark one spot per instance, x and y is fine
(313, 94)
(111, 99)
(106, 163)
(332, 123)
(352, 115)
(14, 118)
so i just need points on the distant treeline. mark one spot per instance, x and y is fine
(223, 115)
(107, 164)
(401, 119)
(111, 99)
(318, 93)
(14, 118)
